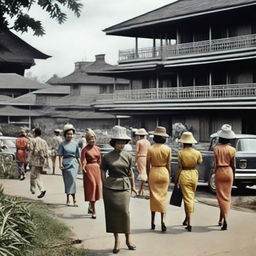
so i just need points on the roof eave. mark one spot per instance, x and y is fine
(110, 31)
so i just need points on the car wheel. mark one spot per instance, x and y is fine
(211, 183)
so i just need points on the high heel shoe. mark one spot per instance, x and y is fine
(115, 250)
(224, 226)
(153, 226)
(220, 223)
(131, 247)
(189, 228)
(163, 227)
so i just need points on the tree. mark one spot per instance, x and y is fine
(14, 13)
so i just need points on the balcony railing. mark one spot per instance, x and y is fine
(199, 47)
(191, 92)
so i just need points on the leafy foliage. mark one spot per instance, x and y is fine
(8, 168)
(17, 12)
(16, 226)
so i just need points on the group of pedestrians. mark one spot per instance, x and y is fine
(112, 177)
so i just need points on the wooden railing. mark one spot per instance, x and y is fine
(199, 47)
(191, 92)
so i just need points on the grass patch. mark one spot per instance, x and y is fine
(52, 237)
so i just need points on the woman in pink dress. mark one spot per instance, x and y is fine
(142, 147)
(91, 159)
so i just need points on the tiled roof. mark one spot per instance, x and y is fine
(28, 99)
(82, 114)
(74, 101)
(12, 111)
(177, 10)
(56, 89)
(15, 81)
(81, 74)
(14, 49)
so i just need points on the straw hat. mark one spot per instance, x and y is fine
(89, 133)
(68, 127)
(187, 138)
(119, 133)
(141, 132)
(58, 130)
(22, 132)
(226, 132)
(160, 131)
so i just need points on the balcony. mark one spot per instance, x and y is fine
(176, 93)
(193, 48)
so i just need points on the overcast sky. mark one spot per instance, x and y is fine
(80, 39)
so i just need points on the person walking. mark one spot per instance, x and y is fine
(187, 176)
(117, 187)
(69, 162)
(38, 159)
(56, 140)
(159, 171)
(91, 160)
(22, 154)
(224, 172)
(142, 146)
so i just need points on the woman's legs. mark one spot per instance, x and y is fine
(163, 227)
(141, 191)
(128, 242)
(93, 209)
(117, 242)
(74, 200)
(153, 220)
(67, 202)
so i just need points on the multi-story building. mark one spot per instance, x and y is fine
(200, 69)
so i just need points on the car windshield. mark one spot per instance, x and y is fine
(248, 145)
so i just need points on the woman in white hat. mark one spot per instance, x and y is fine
(187, 177)
(117, 187)
(69, 159)
(159, 171)
(91, 160)
(224, 171)
(142, 147)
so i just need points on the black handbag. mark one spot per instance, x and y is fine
(176, 197)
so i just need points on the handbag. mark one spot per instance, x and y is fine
(176, 197)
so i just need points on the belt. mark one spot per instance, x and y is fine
(159, 166)
(187, 169)
(223, 166)
(68, 157)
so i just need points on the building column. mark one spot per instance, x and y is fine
(210, 37)
(29, 119)
(194, 86)
(177, 40)
(114, 85)
(9, 121)
(210, 83)
(136, 47)
(157, 86)
(154, 47)
(178, 85)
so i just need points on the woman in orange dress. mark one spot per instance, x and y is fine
(22, 154)
(142, 147)
(224, 172)
(159, 172)
(91, 160)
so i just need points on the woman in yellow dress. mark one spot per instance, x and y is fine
(159, 171)
(188, 175)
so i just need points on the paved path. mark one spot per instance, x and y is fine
(206, 239)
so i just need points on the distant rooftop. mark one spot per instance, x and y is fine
(15, 81)
(176, 11)
(83, 74)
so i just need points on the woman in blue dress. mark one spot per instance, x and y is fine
(69, 159)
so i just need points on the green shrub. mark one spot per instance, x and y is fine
(16, 226)
(8, 168)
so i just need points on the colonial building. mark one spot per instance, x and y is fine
(15, 54)
(84, 87)
(200, 69)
